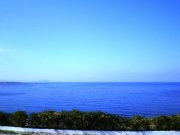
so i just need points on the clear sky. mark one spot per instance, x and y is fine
(90, 40)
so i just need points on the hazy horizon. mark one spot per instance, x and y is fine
(90, 41)
(85, 82)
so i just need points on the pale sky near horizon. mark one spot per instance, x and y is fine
(90, 40)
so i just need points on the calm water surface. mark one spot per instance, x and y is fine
(126, 99)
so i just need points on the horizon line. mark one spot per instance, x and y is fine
(89, 81)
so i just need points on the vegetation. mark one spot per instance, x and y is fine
(4, 119)
(18, 118)
(88, 121)
(7, 132)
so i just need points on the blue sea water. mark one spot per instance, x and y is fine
(126, 99)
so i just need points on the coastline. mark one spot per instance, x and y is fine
(84, 132)
(78, 120)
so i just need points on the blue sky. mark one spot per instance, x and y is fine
(90, 40)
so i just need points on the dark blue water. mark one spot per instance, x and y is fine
(126, 99)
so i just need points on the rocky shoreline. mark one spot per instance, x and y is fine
(20, 130)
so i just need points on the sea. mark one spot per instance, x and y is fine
(124, 99)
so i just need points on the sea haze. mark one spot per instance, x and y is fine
(126, 99)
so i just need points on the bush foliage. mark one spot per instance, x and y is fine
(88, 121)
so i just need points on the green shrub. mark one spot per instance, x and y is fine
(19, 118)
(140, 123)
(162, 123)
(88, 121)
(45, 119)
(174, 122)
(4, 120)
